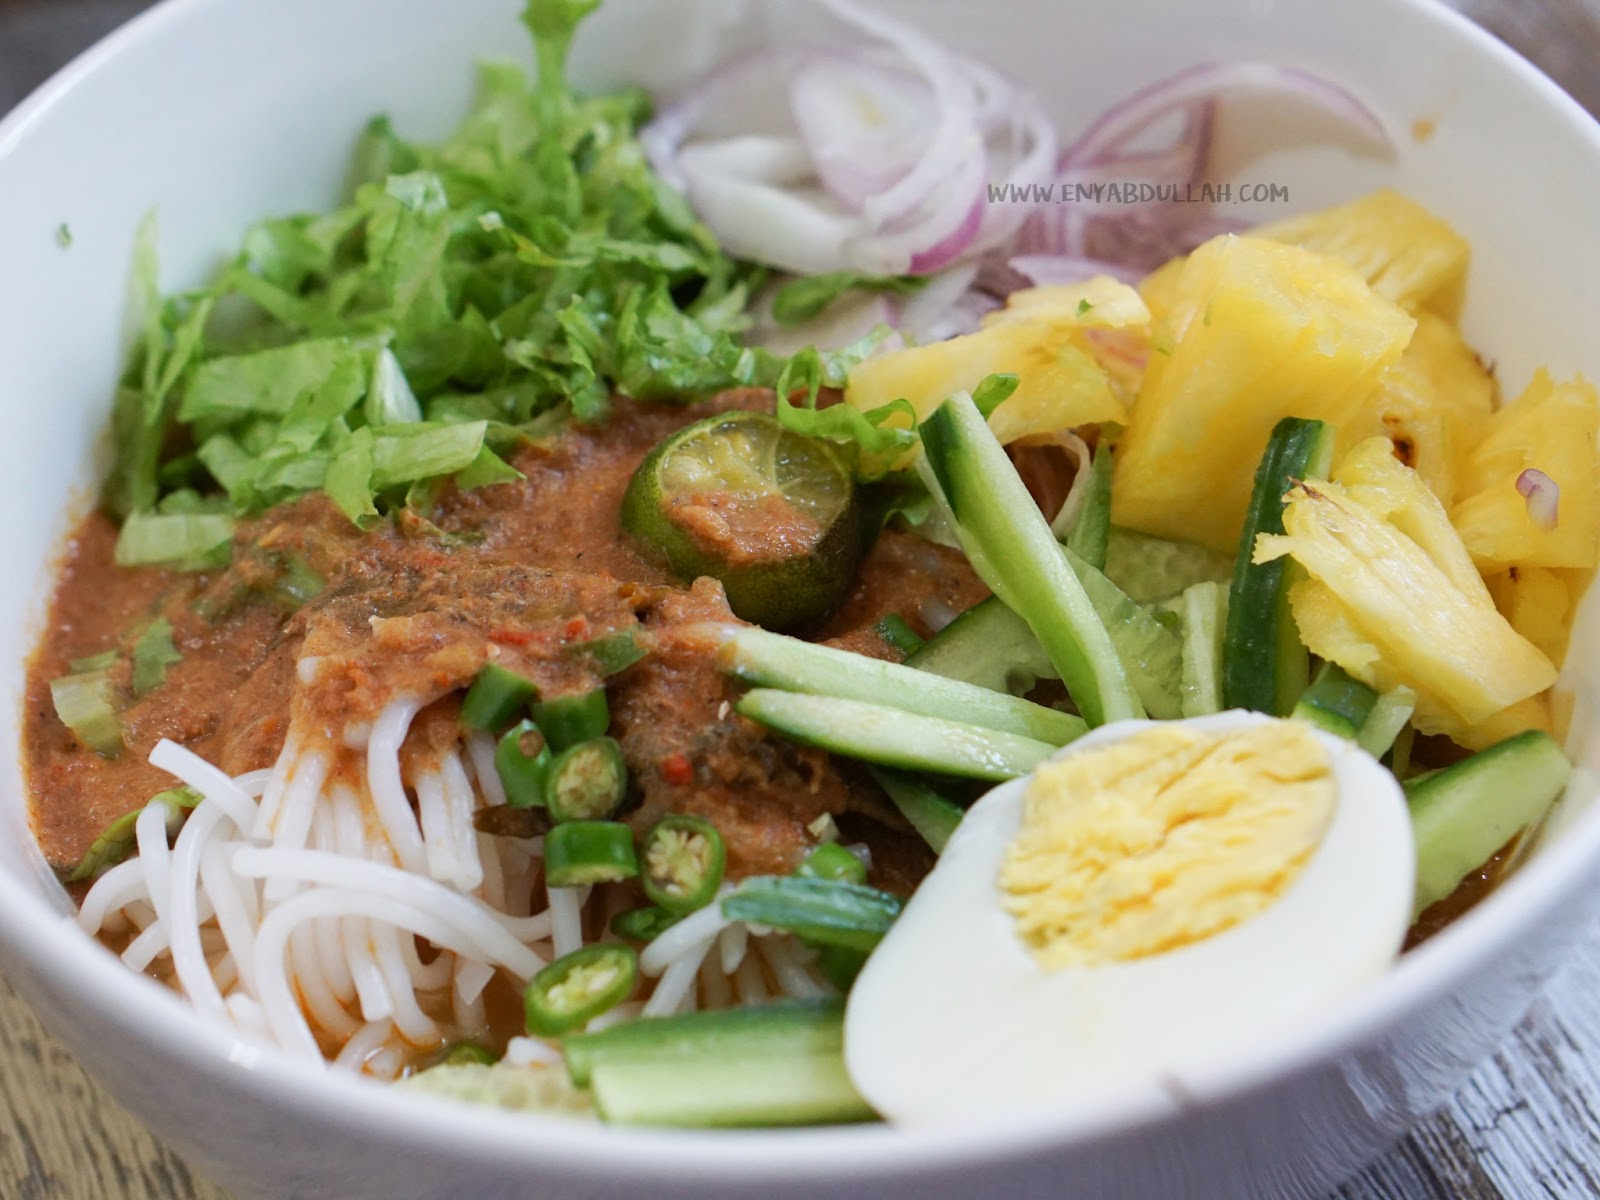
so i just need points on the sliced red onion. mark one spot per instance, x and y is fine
(1543, 495)
(1082, 458)
(864, 123)
(950, 305)
(1110, 136)
(841, 324)
(1051, 270)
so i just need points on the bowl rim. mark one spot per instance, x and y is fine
(31, 932)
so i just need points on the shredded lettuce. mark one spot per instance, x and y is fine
(153, 653)
(530, 266)
(86, 702)
(116, 842)
(799, 300)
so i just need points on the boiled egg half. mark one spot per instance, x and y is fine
(1159, 899)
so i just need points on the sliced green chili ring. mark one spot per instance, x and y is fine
(587, 782)
(522, 759)
(464, 1054)
(613, 653)
(584, 852)
(894, 630)
(568, 720)
(684, 859)
(832, 861)
(643, 924)
(578, 987)
(495, 698)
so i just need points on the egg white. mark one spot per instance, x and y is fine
(954, 1018)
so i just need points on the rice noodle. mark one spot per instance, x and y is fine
(342, 906)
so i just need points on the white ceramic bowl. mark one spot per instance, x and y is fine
(220, 111)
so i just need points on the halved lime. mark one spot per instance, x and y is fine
(769, 512)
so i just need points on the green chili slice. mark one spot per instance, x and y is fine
(568, 720)
(578, 987)
(832, 861)
(495, 698)
(587, 782)
(643, 924)
(683, 863)
(583, 852)
(522, 759)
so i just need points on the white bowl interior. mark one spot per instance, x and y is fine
(225, 113)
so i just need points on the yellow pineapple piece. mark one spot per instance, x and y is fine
(1263, 331)
(1162, 290)
(1044, 336)
(1387, 488)
(1405, 413)
(1551, 427)
(1539, 604)
(1406, 253)
(1329, 632)
(1429, 635)
(1462, 385)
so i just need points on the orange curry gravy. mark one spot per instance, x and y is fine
(521, 572)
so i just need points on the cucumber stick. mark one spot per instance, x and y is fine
(988, 645)
(1011, 547)
(1388, 717)
(929, 813)
(761, 659)
(1151, 569)
(1203, 608)
(1336, 703)
(1091, 529)
(773, 1064)
(1265, 667)
(1461, 815)
(892, 737)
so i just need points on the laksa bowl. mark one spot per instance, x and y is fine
(215, 115)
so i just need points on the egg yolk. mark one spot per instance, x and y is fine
(1163, 839)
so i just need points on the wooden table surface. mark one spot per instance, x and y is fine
(1527, 1124)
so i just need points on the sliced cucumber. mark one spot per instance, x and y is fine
(1461, 815)
(1264, 665)
(1388, 717)
(929, 813)
(1336, 703)
(892, 737)
(1203, 609)
(1151, 654)
(1011, 547)
(1151, 569)
(988, 645)
(762, 659)
(1091, 529)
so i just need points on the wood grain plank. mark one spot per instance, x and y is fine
(63, 1138)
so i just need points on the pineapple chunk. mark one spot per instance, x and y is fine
(1551, 427)
(1539, 604)
(1532, 713)
(1263, 331)
(1380, 483)
(1405, 413)
(1462, 385)
(1044, 336)
(1427, 633)
(1406, 253)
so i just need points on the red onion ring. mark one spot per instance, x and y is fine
(1543, 496)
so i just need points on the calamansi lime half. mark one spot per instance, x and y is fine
(769, 512)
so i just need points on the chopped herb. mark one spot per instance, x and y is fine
(1084, 307)
(97, 662)
(797, 301)
(994, 391)
(153, 653)
(64, 235)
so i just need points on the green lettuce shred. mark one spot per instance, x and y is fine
(117, 840)
(86, 703)
(153, 653)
